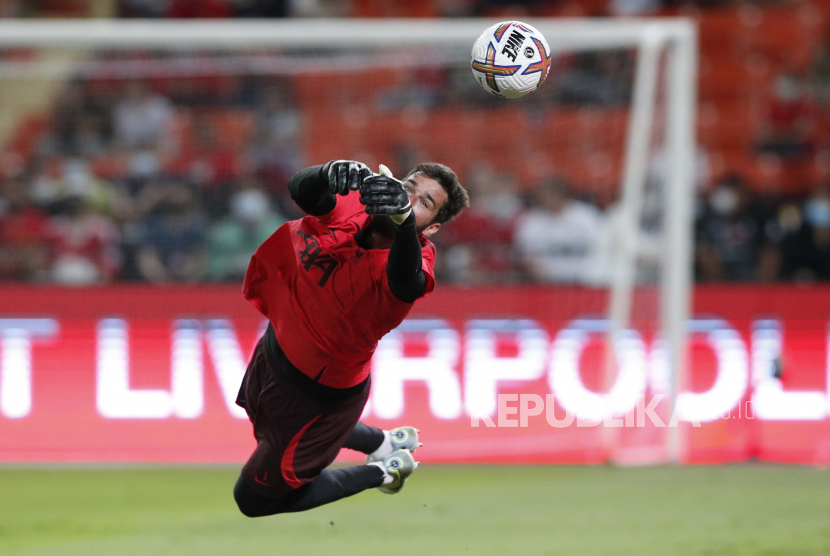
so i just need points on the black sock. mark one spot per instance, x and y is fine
(330, 486)
(364, 438)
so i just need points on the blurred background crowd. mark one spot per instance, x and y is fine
(155, 176)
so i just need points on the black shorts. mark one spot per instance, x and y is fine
(299, 424)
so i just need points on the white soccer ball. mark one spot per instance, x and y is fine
(511, 59)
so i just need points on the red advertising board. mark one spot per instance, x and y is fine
(144, 374)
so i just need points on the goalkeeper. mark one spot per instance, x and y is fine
(332, 285)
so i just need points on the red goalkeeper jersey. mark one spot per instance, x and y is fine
(327, 298)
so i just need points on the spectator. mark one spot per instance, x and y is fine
(24, 253)
(790, 120)
(210, 163)
(280, 118)
(47, 184)
(558, 240)
(480, 240)
(820, 72)
(173, 246)
(89, 138)
(84, 244)
(734, 241)
(235, 238)
(60, 178)
(496, 195)
(275, 154)
(68, 109)
(807, 251)
(142, 118)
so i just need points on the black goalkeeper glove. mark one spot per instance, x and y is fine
(346, 175)
(383, 194)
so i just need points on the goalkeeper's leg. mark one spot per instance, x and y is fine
(331, 485)
(389, 475)
(366, 439)
(377, 444)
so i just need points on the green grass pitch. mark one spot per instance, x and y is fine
(444, 510)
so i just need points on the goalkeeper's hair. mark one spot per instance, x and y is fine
(457, 198)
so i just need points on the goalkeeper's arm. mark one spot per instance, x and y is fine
(384, 195)
(310, 190)
(403, 268)
(314, 189)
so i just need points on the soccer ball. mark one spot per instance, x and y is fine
(511, 59)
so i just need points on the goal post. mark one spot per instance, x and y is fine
(664, 77)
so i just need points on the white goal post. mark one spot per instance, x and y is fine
(672, 42)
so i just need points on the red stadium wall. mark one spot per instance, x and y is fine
(85, 376)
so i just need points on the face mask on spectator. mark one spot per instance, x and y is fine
(786, 89)
(250, 207)
(724, 201)
(817, 213)
(143, 164)
(77, 177)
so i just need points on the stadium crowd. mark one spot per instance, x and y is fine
(203, 9)
(187, 211)
(179, 180)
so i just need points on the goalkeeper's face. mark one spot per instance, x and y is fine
(427, 197)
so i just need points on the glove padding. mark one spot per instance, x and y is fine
(346, 176)
(384, 195)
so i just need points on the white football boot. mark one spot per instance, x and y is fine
(397, 468)
(401, 438)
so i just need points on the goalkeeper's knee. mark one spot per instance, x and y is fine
(253, 504)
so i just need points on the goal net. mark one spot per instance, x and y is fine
(585, 185)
